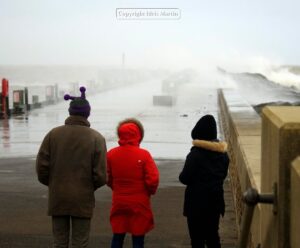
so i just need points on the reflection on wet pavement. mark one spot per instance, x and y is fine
(167, 129)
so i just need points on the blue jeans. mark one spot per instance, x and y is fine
(118, 239)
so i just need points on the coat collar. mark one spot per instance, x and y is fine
(211, 145)
(77, 120)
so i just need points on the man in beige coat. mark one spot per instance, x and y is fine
(72, 163)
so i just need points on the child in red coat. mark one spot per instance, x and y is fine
(133, 178)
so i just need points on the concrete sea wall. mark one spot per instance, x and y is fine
(263, 151)
(242, 130)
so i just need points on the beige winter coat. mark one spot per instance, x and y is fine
(72, 163)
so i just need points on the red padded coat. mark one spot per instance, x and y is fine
(133, 178)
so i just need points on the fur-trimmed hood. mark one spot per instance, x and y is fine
(131, 120)
(216, 146)
(130, 131)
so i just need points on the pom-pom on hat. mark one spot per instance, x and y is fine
(205, 129)
(79, 105)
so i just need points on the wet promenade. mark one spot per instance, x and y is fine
(23, 220)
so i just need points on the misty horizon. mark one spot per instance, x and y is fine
(230, 34)
(255, 37)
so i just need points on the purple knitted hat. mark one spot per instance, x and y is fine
(79, 105)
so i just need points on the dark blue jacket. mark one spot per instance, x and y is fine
(204, 172)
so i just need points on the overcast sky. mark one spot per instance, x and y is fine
(87, 32)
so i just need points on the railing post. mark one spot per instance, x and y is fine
(280, 145)
(295, 203)
(251, 197)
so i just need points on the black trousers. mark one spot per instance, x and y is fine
(204, 230)
(118, 239)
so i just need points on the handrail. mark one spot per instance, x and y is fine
(251, 197)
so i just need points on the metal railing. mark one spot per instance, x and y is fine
(251, 197)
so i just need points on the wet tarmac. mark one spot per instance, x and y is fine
(25, 224)
(23, 220)
(167, 129)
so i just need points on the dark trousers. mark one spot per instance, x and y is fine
(204, 230)
(118, 239)
(62, 227)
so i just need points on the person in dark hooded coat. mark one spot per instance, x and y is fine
(203, 174)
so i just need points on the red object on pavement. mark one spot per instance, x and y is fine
(4, 87)
(4, 95)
